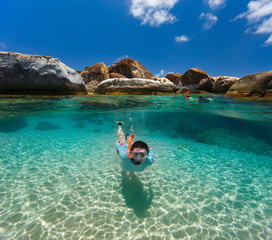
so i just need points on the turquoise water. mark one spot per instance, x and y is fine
(60, 177)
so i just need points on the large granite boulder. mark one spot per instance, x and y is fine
(161, 79)
(205, 84)
(166, 80)
(97, 72)
(134, 86)
(184, 90)
(269, 90)
(259, 85)
(223, 83)
(174, 78)
(116, 75)
(35, 74)
(92, 85)
(130, 68)
(193, 77)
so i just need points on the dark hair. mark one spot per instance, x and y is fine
(140, 144)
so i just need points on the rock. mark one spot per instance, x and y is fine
(269, 90)
(47, 126)
(116, 75)
(165, 80)
(205, 84)
(79, 124)
(259, 85)
(193, 77)
(161, 79)
(174, 78)
(222, 84)
(97, 72)
(8, 125)
(234, 140)
(130, 68)
(133, 86)
(35, 74)
(184, 90)
(92, 85)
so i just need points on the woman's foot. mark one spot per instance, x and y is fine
(120, 123)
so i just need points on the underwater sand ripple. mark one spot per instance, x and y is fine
(67, 186)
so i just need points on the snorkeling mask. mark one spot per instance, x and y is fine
(138, 158)
(139, 155)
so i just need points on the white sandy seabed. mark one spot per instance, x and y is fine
(69, 184)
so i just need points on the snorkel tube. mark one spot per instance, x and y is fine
(187, 94)
(129, 145)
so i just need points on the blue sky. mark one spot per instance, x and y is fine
(220, 37)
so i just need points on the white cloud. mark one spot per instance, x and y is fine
(160, 74)
(257, 10)
(214, 4)
(153, 12)
(259, 15)
(3, 45)
(209, 19)
(265, 27)
(269, 41)
(121, 58)
(181, 38)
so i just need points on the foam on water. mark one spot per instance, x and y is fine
(60, 177)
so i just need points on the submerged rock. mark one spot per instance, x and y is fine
(130, 68)
(12, 125)
(234, 140)
(259, 85)
(46, 126)
(134, 86)
(79, 124)
(35, 74)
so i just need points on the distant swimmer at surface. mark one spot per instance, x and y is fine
(135, 156)
(200, 99)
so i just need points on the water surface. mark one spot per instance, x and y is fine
(60, 177)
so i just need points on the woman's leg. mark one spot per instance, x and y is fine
(120, 135)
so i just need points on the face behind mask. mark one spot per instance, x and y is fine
(138, 158)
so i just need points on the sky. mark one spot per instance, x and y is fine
(220, 37)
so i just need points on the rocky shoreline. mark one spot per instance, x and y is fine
(35, 74)
(41, 75)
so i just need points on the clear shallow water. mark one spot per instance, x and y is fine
(60, 177)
